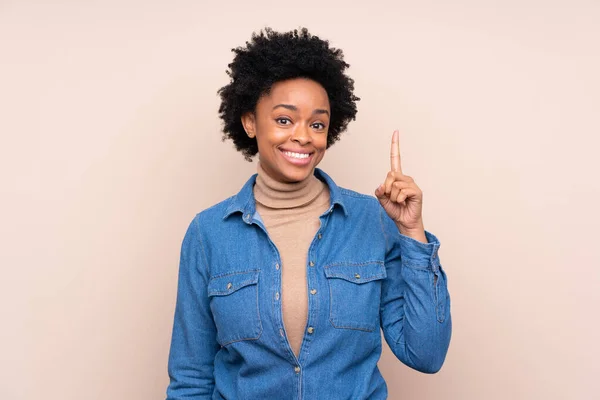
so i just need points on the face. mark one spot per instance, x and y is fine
(290, 125)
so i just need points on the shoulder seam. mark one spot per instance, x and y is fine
(356, 194)
(223, 203)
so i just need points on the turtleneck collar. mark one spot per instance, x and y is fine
(274, 194)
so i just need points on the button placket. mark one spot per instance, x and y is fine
(312, 278)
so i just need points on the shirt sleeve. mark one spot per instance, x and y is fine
(193, 342)
(415, 303)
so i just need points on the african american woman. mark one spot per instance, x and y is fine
(285, 287)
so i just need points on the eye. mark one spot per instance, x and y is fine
(318, 126)
(283, 121)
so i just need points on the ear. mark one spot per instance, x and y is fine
(249, 123)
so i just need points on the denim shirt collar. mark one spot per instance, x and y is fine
(244, 202)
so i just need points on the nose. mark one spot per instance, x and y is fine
(301, 135)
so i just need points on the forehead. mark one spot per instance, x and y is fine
(300, 92)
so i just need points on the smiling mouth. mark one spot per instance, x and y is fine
(298, 159)
(299, 156)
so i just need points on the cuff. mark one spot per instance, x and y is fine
(421, 255)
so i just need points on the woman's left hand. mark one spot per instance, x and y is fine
(401, 198)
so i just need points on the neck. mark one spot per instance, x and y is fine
(274, 194)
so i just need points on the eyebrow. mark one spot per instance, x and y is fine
(294, 108)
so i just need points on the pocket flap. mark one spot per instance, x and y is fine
(223, 285)
(356, 272)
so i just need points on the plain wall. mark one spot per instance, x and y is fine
(111, 143)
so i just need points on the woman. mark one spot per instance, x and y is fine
(283, 287)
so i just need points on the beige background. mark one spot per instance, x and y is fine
(110, 144)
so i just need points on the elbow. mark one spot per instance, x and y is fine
(426, 357)
(431, 367)
(424, 349)
(429, 362)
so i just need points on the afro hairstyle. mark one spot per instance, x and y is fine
(270, 57)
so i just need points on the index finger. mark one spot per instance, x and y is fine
(395, 153)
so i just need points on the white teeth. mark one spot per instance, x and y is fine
(296, 155)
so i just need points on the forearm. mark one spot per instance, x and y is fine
(416, 318)
(415, 304)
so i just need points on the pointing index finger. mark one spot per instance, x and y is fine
(395, 153)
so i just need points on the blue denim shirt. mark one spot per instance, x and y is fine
(229, 341)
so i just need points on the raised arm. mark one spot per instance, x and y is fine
(415, 304)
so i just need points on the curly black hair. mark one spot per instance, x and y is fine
(271, 57)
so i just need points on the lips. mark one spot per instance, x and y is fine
(301, 151)
(297, 157)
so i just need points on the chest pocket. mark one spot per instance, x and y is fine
(355, 293)
(234, 305)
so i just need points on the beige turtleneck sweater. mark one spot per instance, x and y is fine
(290, 213)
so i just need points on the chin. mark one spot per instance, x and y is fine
(296, 176)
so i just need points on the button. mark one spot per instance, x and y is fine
(277, 266)
(247, 217)
(312, 264)
(277, 296)
(313, 291)
(320, 236)
(229, 285)
(296, 369)
(310, 329)
(281, 332)
(357, 276)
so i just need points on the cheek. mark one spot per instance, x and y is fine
(321, 142)
(267, 131)
(276, 136)
(269, 139)
(321, 146)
